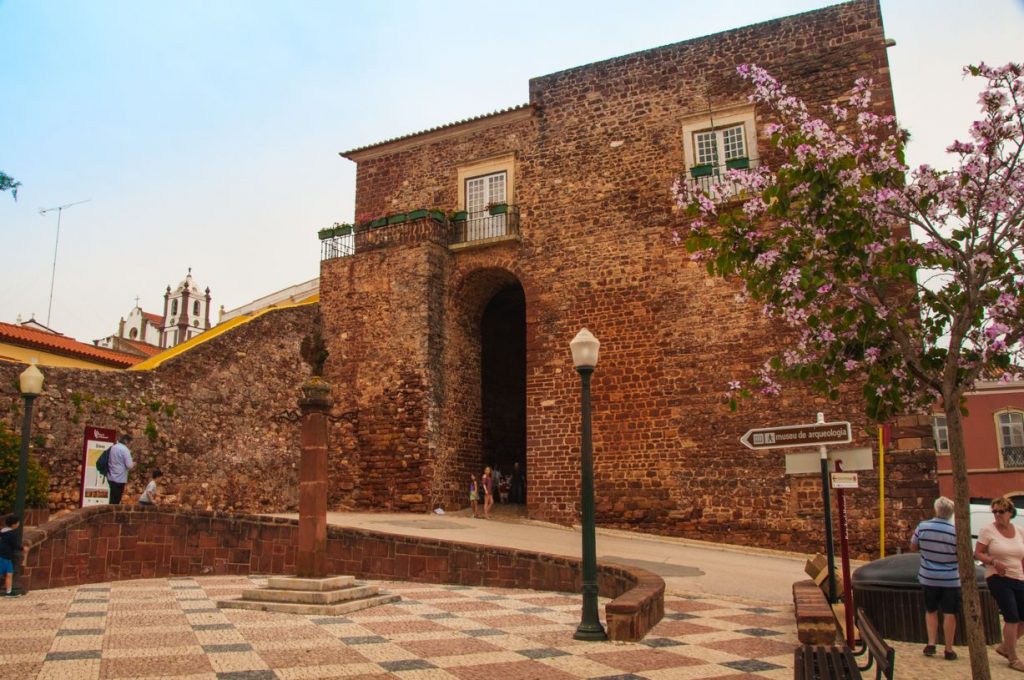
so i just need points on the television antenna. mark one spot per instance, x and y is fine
(53, 275)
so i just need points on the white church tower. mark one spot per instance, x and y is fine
(186, 312)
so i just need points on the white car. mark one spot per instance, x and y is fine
(981, 516)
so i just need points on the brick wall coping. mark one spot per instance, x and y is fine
(815, 621)
(109, 543)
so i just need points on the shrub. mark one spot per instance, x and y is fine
(38, 479)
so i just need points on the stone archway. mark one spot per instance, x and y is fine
(484, 419)
(503, 380)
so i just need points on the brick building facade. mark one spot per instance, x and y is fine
(450, 340)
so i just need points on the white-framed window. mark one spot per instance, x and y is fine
(941, 434)
(1011, 438)
(481, 193)
(484, 191)
(717, 146)
(715, 142)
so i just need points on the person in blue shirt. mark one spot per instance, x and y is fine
(939, 578)
(120, 463)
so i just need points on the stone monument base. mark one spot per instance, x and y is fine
(329, 596)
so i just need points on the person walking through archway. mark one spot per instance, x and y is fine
(487, 482)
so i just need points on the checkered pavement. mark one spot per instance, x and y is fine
(172, 628)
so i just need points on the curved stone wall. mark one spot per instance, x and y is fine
(111, 543)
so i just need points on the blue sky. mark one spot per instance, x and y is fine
(206, 134)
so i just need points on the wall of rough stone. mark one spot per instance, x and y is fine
(219, 420)
(594, 162)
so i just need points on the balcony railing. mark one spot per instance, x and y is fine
(705, 177)
(1013, 456)
(486, 224)
(492, 224)
(338, 246)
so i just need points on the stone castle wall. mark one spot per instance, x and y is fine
(220, 420)
(594, 162)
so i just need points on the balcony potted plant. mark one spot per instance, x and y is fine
(741, 163)
(343, 230)
(459, 216)
(417, 214)
(326, 233)
(702, 170)
(378, 222)
(397, 218)
(437, 215)
(497, 208)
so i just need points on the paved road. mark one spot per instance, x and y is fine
(687, 566)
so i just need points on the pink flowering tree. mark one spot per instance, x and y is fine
(906, 281)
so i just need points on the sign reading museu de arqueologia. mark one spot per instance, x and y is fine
(791, 436)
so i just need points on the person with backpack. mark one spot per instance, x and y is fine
(120, 462)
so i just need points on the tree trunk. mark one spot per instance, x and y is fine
(975, 631)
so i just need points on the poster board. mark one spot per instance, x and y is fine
(94, 485)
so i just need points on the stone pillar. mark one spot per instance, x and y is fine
(315, 404)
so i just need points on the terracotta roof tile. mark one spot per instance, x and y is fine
(520, 107)
(156, 319)
(144, 347)
(60, 344)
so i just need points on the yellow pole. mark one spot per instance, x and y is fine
(881, 490)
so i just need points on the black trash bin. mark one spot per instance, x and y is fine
(892, 598)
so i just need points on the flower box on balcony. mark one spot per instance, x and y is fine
(416, 214)
(397, 218)
(437, 215)
(701, 170)
(379, 222)
(325, 234)
(738, 163)
(343, 230)
(459, 216)
(498, 209)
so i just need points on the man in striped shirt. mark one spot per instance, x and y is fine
(938, 575)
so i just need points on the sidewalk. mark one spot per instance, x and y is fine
(171, 628)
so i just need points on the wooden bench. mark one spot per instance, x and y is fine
(879, 653)
(825, 662)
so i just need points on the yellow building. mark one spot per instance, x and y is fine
(25, 342)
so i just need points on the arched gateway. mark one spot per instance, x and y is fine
(486, 418)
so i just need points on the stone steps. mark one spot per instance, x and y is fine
(296, 583)
(310, 609)
(324, 597)
(309, 596)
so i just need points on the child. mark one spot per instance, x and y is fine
(149, 496)
(474, 495)
(10, 550)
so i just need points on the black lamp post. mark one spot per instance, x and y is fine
(31, 384)
(584, 356)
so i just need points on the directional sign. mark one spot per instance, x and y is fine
(793, 436)
(844, 480)
(810, 461)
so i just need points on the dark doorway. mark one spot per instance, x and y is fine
(503, 383)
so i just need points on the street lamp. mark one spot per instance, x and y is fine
(584, 356)
(31, 384)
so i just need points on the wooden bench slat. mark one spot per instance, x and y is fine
(821, 662)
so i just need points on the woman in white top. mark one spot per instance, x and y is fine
(1000, 548)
